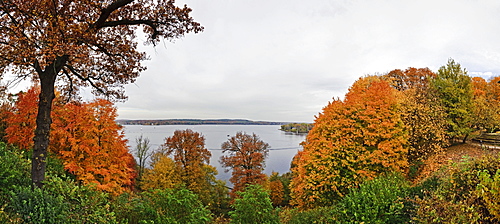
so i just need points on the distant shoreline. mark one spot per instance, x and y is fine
(198, 122)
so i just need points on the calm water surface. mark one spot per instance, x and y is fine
(283, 145)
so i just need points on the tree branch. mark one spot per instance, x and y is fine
(126, 22)
(106, 12)
(73, 70)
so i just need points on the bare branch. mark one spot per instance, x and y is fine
(74, 72)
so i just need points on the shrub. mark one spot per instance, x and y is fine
(489, 189)
(162, 206)
(381, 200)
(6, 217)
(85, 204)
(317, 215)
(253, 206)
(35, 206)
(14, 168)
(61, 201)
(463, 195)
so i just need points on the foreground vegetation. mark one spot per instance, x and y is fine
(465, 191)
(374, 157)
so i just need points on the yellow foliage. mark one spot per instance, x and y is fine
(163, 174)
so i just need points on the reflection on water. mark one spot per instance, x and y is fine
(283, 145)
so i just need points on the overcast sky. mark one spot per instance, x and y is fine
(283, 60)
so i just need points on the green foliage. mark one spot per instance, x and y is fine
(162, 206)
(6, 217)
(297, 127)
(85, 204)
(489, 189)
(14, 168)
(455, 92)
(318, 215)
(380, 200)
(35, 206)
(61, 201)
(463, 193)
(253, 206)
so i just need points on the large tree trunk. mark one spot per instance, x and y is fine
(43, 119)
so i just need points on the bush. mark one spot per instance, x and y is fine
(322, 215)
(61, 201)
(162, 206)
(85, 204)
(465, 193)
(14, 168)
(489, 189)
(253, 206)
(35, 206)
(381, 200)
(5, 217)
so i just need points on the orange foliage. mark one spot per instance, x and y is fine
(191, 159)
(85, 136)
(277, 192)
(486, 104)
(246, 159)
(351, 140)
(422, 114)
(21, 122)
(411, 78)
(72, 44)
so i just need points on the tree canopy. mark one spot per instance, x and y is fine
(351, 140)
(84, 135)
(71, 44)
(245, 155)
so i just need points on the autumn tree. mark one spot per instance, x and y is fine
(486, 113)
(6, 104)
(93, 146)
(192, 160)
(163, 174)
(21, 120)
(421, 112)
(454, 90)
(71, 44)
(351, 140)
(276, 190)
(245, 156)
(85, 136)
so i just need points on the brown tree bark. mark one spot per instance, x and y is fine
(47, 79)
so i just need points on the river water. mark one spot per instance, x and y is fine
(283, 145)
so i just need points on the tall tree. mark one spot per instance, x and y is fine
(142, 152)
(192, 160)
(454, 89)
(93, 146)
(422, 114)
(351, 140)
(81, 43)
(246, 156)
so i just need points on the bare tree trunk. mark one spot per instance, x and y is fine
(43, 118)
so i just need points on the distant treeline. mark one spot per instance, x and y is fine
(198, 122)
(297, 127)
